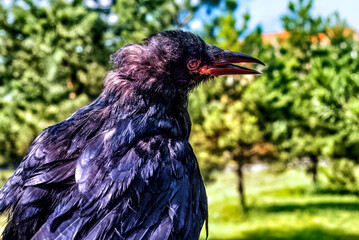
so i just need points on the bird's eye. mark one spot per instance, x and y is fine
(193, 64)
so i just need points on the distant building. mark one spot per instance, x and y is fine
(324, 38)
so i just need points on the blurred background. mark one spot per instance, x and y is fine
(279, 152)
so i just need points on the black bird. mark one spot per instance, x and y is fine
(121, 167)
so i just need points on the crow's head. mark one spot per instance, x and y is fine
(176, 60)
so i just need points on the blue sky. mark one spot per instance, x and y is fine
(267, 13)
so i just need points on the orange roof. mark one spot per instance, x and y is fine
(269, 37)
(323, 38)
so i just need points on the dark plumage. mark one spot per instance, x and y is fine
(121, 167)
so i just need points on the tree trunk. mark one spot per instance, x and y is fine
(314, 168)
(241, 184)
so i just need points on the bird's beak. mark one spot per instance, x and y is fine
(224, 64)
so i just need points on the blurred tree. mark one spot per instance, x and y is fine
(324, 122)
(281, 96)
(303, 98)
(302, 28)
(138, 19)
(341, 178)
(223, 129)
(53, 61)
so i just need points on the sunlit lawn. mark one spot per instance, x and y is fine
(281, 207)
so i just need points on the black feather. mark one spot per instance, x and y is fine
(120, 167)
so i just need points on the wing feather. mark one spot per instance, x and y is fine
(125, 183)
(162, 208)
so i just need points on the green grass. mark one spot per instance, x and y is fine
(280, 207)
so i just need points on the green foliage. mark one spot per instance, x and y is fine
(221, 124)
(223, 128)
(302, 26)
(138, 19)
(53, 62)
(341, 178)
(306, 99)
